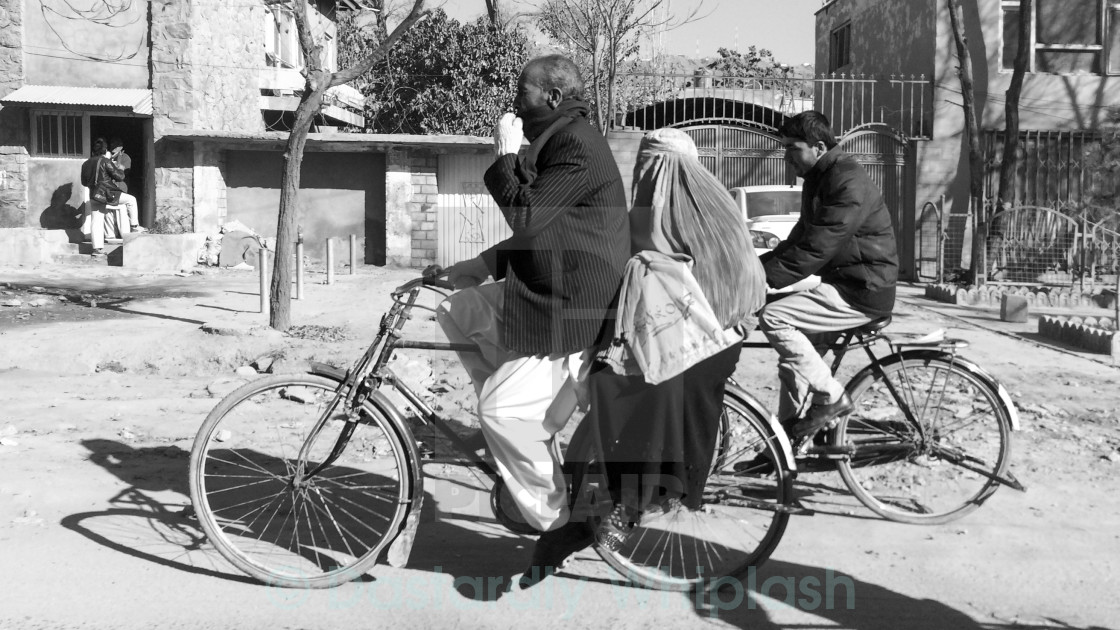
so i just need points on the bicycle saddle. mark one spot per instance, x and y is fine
(874, 326)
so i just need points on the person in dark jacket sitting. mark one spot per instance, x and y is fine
(844, 235)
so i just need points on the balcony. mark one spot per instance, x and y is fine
(281, 87)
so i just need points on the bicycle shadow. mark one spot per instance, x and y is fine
(459, 537)
(151, 519)
(848, 602)
(843, 600)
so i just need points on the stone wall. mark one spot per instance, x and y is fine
(174, 188)
(227, 41)
(13, 127)
(173, 99)
(209, 188)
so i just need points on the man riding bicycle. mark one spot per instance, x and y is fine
(845, 236)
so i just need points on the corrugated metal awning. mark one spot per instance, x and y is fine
(139, 101)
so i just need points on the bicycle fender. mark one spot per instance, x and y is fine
(775, 427)
(1001, 392)
(322, 369)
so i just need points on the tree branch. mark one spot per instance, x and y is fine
(415, 15)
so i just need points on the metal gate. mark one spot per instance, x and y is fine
(741, 156)
(468, 221)
(883, 154)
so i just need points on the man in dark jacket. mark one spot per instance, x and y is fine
(845, 236)
(558, 275)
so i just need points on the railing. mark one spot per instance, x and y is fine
(650, 101)
(1032, 245)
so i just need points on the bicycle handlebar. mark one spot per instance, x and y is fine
(432, 276)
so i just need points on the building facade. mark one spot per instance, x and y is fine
(201, 93)
(1071, 90)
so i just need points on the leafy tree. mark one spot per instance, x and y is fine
(445, 77)
(756, 63)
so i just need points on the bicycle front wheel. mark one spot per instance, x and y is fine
(934, 471)
(737, 527)
(311, 521)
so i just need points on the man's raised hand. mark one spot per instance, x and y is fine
(508, 135)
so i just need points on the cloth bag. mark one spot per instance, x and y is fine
(665, 324)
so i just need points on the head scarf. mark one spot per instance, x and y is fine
(681, 208)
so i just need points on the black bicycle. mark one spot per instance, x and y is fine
(308, 480)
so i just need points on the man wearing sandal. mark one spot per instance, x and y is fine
(557, 277)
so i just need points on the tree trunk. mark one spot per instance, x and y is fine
(976, 269)
(494, 12)
(280, 298)
(1011, 108)
(317, 83)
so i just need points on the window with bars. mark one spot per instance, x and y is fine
(1067, 36)
(840, 47)
(58, 134)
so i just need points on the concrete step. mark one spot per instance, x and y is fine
(81, 254)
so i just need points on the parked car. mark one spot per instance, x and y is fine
(769, 211)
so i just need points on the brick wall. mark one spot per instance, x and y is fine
(423, 168)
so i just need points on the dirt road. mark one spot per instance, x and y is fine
(103, 384)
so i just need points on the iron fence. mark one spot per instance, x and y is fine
(650, 101)
(1061, 245)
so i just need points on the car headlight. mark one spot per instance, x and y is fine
(764, 240)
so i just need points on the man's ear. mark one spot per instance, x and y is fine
(821, 147)
(555, 96)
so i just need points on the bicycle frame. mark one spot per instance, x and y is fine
(371, 372)
(855, 338)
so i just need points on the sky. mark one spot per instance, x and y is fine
(783, 26)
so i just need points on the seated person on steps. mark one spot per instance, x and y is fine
(845, 236)
(121, 160)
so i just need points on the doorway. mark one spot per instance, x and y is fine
(135, 136)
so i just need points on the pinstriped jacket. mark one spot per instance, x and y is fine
(571, 240)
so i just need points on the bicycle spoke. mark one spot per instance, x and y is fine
(263, 510)
(912, 476)
(679, 548)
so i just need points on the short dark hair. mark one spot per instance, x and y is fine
(810, 127)
(99, 147)
(115, 142)
(557, 71)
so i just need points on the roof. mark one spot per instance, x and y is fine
(356, 142)
(139, 101)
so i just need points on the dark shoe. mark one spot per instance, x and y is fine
(820, 415)
(97, 252)
(616, 528)
(553, 548)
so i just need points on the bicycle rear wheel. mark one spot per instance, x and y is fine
(739, 524)
(266, 511)
(939, 471)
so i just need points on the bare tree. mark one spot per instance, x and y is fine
(975, 158)
(317, 81)
(495, 12)
(1011, 107)
(605, 33)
